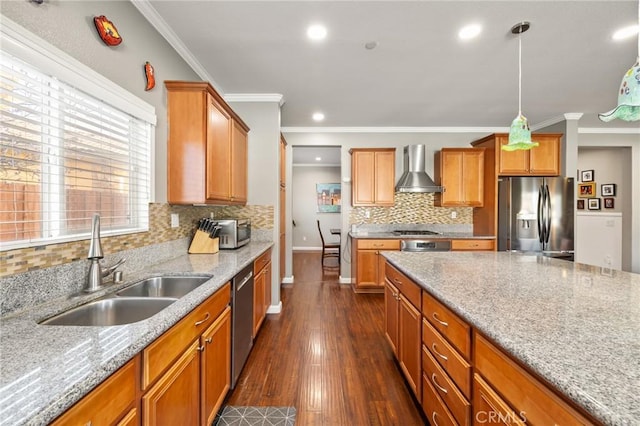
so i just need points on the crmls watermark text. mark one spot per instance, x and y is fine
(493, 417)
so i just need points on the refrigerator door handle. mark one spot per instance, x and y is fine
(540, 213)
(547, 214)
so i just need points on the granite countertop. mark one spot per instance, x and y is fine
(576, 325)
(45, 369)
(441, 235)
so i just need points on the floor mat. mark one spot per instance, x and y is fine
(255, 416)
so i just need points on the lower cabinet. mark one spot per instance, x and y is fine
(402, 325)
(189, 389)
(261, 289)
(113, 402)
(473, 245)
(368, 264)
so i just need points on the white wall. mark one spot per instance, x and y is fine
(305, 209)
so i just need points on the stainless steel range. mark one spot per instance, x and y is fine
(419, 232)
(425, 245)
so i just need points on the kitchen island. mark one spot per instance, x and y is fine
(574, 326)
(46, 369)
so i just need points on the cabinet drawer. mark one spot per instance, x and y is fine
(261, 262)
(408, 288)
(456, 367)
(489, 408)
(488, 245)
(520, 389)
(160, 354)
(108, 402)
(456, 402)
(448, 324)
(378, 244)
(433, 407)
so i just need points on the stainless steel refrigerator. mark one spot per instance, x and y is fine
(535, 214)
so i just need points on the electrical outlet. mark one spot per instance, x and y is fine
(304, 238)
(454, 215)
(367, 214)
(175, 220)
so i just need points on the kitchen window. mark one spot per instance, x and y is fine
(69, 147)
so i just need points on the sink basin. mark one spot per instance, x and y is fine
(167, 286)
(111, 311)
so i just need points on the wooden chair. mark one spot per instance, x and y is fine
(328, 249)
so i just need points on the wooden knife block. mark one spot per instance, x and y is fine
(202, 243)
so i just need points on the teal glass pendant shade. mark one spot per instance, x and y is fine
(519, 135)
(628, 108)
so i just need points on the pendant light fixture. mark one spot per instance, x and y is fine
(628, 108)
(519, 132)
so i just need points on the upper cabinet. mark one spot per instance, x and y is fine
(207, 147)
(372, 176)
(543, 160)
(461, 172)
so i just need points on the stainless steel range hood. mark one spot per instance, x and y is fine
(414, 178)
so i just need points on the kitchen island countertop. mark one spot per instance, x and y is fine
(45, 369)
(577, 326)
(442, 235)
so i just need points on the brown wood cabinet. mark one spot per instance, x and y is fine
(261, 289)
(543, 160)
(368, 264)
(401, 312)
(490, 409)
(207, 147)
(461, 172)
(114, 401)
(178, 363)
(473, 245)
(372, 176)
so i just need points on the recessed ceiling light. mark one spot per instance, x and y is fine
(317, 32)
(318, 116)
(318, 158)
(626, 32)
(469, 32)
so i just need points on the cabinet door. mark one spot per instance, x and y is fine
(218, 161)
(490, 409)
(511, 163)
(409, 343)
(461, 172)
(473, 178)
(544, 160)
(175, 398)
(391, 302)
(367, 268)
(239, 159)
(363, 178)
(451, 167)
(216, 366)
(258, 301)
(385, 172)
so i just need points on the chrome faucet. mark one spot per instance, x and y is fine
(97, 272)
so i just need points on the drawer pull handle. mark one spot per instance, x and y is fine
(209, 340)
(433, 417)
(206, 317)
(435, 351)
(433, 380)
(200, 348)
(435, 317)
(397, 281)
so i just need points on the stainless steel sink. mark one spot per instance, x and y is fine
(166, 286)
(111, 311)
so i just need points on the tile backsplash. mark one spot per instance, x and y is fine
(34, 258)
(412, 208)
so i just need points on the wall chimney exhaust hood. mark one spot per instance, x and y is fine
(414, 177)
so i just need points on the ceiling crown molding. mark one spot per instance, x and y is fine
(487, 130)
(255, 97)
(151, 15)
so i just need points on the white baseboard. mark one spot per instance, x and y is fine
(275, 309)
(287, 280)
(307, 249)
(344, 280)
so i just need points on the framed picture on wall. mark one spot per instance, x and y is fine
(593, 203)
(329, 197)
(587, 190)
(608, 203)
(580, 204)
(586, 176)
(608, 189)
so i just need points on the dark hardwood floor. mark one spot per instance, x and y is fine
(326, 355)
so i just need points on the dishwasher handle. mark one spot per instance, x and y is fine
(244, 281)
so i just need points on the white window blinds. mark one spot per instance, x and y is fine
(66, 155)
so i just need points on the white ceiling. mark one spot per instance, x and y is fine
(421, 74)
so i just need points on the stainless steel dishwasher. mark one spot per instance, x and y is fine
(242, 321)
